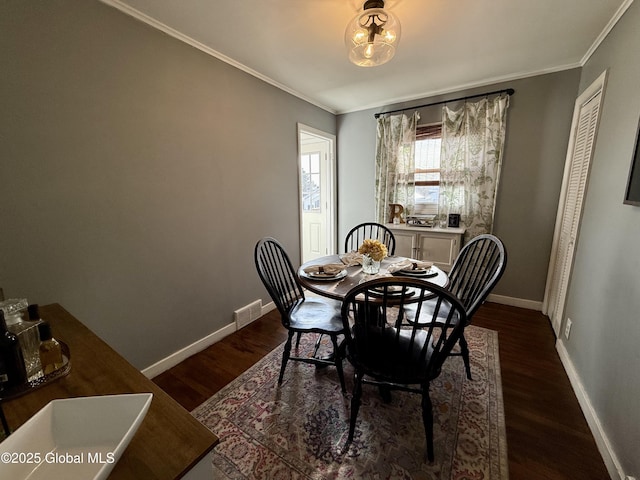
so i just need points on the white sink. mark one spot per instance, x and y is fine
(75, 438)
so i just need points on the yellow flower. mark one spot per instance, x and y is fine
(374, 248)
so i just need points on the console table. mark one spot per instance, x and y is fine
(169, 444)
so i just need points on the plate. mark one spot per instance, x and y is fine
(425, 273)
(324, 276)
(392, 290)
(74, 438)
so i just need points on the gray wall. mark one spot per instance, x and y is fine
(604, 294)
(538, 125)
(137, 175)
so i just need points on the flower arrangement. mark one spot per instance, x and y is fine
(374, 248)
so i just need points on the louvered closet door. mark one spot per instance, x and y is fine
(570, 208)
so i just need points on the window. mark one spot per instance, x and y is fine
(310, 168)
(427, 168)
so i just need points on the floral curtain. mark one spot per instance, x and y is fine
(396, 137)
(472, 146)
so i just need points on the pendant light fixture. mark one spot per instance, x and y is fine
(373, 35)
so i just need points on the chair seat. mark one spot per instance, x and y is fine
(426, 313)
(316, 315)
(398, 360)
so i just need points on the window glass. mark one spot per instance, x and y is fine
(310, 166)
(427, 168)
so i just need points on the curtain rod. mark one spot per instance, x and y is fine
(509, 91)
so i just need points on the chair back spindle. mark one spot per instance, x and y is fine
(476, 270)
(278, 276)
(374, 231)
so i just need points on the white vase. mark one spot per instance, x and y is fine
(369, 265)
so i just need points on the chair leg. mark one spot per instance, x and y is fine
(338, 361)
(298, 340)
(427, 419)
(385, 393)
(355, 405)
(317, 346)
(464, 349)
(286, 353)
(5, 425)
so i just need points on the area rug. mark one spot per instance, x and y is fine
(298, 430)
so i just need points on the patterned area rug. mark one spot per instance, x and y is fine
(298, 430)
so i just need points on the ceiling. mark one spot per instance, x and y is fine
(446, 45)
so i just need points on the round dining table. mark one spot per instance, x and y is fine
(338, 287)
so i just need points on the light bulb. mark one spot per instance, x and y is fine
(368, 52)
(360, 36)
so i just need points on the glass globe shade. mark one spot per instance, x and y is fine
(372, 37)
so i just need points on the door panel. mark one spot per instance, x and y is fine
(316, 243)
(580, 152)
(317, 193)
(441, 250)
(405, 244)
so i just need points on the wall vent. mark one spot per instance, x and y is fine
(247, 314)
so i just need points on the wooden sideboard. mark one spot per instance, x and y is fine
(169, 444)
(439, 245)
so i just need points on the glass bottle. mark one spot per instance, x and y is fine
(50, 350)
(26, 330)
(13, 369)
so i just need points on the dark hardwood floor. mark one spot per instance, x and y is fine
(547, 434)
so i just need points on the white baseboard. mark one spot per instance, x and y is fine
(602, 441)
(268, 307)
(515, 302)
(197, 346)
(184, 353)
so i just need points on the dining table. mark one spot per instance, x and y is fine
(351, 275)
(337, 287)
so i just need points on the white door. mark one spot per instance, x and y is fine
(574, 184)
(317, 192)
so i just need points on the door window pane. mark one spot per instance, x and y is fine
(310, 165)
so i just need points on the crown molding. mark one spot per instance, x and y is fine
(467, 86)
(605, 32)
(118, 4)
(138, 15)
